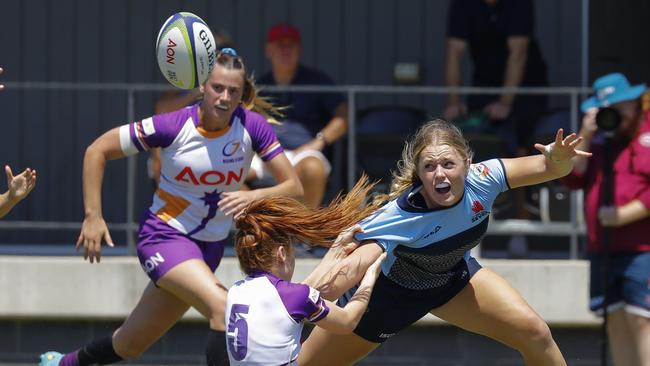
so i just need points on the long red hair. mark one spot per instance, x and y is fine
(271, 222)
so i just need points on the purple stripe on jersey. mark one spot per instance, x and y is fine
(295, 297)
(265, 141)
(134, 137)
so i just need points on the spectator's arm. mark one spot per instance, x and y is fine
(455, 50)
(333, 130)
(515, 66)
(337, 126)
(630, 212)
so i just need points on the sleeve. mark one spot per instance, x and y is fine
(488, 176)
(520, 18)
(457, 20)
(265, 140)
(157, 131)
(644, 197)
(302, 301)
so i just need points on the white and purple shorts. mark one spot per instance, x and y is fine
(161, 247)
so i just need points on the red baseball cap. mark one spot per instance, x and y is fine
(283, 31)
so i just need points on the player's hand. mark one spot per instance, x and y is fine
(21, 184)
(344, 244)
(93, 231)
(563, 149)
(454, 111)
(233, 203)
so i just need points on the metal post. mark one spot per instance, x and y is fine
(573, 249)
(352, 139)
(130, 181)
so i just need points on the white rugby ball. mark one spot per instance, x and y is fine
(186, 50)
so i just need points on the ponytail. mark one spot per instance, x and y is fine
(271, 222)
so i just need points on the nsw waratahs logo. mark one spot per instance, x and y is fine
(479, 211)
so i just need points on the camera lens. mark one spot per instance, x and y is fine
(608, 119)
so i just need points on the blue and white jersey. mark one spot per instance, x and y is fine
(264, 317)
(424, 245)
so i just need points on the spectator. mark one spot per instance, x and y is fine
(1, 85)
(18, 187)
(628, 282)
(313, 120)
(499, 34)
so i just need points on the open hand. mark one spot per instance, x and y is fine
(563, 149)
(21, 184)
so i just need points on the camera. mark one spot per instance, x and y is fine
(608, 119)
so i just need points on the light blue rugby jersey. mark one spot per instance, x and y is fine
(424, 245)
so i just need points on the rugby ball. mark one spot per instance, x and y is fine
(186, 50)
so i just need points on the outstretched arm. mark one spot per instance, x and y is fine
(94, 229)
(344, 320)
(343, 245)
(555, 162)
(347, 272)
(18, 188)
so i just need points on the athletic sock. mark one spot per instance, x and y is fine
(100, 352)
(215, 351)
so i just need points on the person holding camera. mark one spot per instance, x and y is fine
(623, 111)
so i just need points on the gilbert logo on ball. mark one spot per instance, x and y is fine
(185, 50)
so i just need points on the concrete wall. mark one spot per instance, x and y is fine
(69, 288)
(60, 303)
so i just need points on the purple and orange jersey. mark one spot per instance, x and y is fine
(198, 165)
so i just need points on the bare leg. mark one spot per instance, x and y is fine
(194, 283)
(641, 328)
(155, 313)
(323, 348)
(488, 305)
(311, 173)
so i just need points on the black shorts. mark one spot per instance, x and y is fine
(392, 307)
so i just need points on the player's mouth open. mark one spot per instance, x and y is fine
(443, 188)
(222, 107)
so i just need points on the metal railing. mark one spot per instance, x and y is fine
(573, 229)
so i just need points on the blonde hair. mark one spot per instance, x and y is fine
(269, 223)
(437, 131)
(251, 99)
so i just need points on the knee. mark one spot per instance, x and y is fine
(312, 169)
(535, 332)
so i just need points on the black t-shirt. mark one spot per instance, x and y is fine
(486, 29)
(308, 113)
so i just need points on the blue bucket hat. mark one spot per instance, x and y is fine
(611, 89)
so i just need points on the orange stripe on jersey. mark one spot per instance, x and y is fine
(140, 134)
(212, 134)
(270, 148)
(174, 205)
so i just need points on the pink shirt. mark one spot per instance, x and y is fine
(631, 180)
